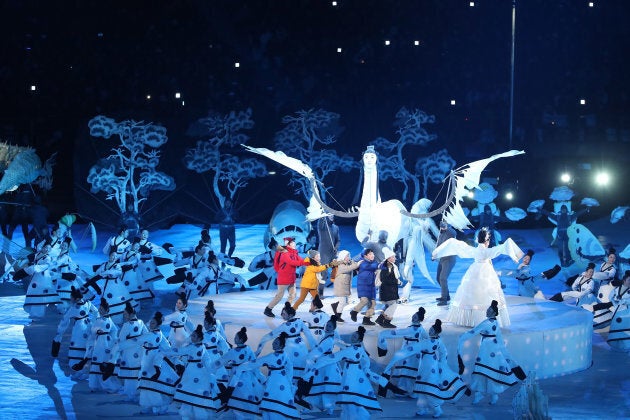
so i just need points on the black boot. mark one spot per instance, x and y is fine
(388, 324)
(339, 318)
(334, 307)
(268, 312)
(366, 321)
(380, 320)
(54, 351)
(382, 390)
(557, 297)
(80, 365)
(353, 315)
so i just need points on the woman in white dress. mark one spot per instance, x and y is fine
(480, 284)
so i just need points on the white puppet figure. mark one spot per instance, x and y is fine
(423, 234)
(375, 215)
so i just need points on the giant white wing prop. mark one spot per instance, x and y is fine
(463, 179)
(302, 168)
(291, 163)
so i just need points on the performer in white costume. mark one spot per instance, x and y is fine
(156, 385)
(294, 328)
(402, 368)
(619, 334)
(480, 284)
(245, 390)
(436, 382)
(582, 289)
(494, 370)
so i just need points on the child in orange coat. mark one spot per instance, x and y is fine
(310, 279)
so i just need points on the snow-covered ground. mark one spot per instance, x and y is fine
(33, 385)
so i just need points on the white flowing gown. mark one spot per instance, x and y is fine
(480, 284)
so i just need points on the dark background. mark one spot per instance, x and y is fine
(89, 58)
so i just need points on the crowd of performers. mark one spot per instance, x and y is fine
(168, 360)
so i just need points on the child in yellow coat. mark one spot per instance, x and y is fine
(310, 279)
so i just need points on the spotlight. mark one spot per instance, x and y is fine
(591, 4)
(334, 3)
(602, 179)
(582, 101)
(453, 102)
(565, 177)
(183, 103)
(237, 64)
(33, 88)
(148, 96)
(509, 195)
(416, 43)
(471, 4)
(387, 42)
(339, 50)
(178, 95)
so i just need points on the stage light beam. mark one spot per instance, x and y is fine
(509, 196)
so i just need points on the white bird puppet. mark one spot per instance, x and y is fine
(462, 179)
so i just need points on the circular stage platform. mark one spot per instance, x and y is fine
(545, 337)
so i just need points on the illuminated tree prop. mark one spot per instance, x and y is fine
(301, 138)
(229, 173)
(129, 173)
(411, 132)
